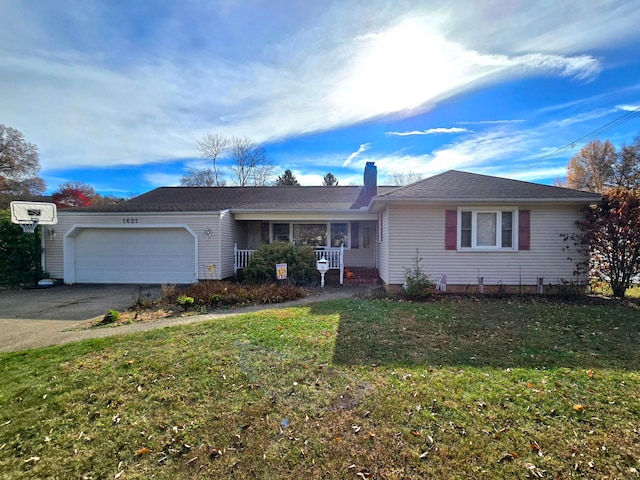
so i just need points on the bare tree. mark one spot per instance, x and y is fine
(212, 147)
(405, 178)
(627, 168)
(250, 166)
(199, 177)
(19, 167)
(592, 168)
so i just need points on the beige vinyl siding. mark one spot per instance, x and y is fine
(229, 234)
(422, 228)
(198, 222)
(53, 262)
(384, 257)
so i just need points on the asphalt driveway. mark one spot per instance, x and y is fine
(71, 302)
(62, 314)
(39, 317)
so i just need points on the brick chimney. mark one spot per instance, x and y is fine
(370, 181)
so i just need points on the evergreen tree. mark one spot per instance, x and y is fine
(287, 178)
(330, 180)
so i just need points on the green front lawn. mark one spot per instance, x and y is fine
(341, 389)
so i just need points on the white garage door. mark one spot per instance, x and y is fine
(143, 255)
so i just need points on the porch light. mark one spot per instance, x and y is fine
(323, 267)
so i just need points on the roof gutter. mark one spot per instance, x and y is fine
(476, 201)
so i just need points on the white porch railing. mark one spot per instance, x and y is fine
(335, 257)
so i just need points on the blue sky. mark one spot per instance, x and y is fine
(117, 93)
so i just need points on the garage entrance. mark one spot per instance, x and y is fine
(130, 255)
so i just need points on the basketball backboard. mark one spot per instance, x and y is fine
(41, 213)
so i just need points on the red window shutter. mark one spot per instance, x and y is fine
(524, 230)
(451, 230)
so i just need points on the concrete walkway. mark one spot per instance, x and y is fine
(25, 333)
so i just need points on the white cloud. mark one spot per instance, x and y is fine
(99, 93)
(483, 152)
(364, 147)
(490, 122)
(582, 117)
(430, 131)
(163, 179)
(629, 108)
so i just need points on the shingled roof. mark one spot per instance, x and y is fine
(277, 198)
(454, 186)
(450, 186)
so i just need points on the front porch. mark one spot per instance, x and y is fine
(349, 276)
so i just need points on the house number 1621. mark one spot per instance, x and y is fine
(129, 220)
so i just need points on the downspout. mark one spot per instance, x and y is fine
(219, 269)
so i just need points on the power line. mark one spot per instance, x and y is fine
(598, 131)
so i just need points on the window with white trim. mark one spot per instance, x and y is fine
(487, 229)
(313, 234)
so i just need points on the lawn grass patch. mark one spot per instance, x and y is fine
(353, 388)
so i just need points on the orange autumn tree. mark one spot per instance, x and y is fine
(73, 195)
(611, 230)
(592, 168)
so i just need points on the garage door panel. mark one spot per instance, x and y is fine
(149, 255)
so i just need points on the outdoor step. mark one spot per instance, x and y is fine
(361, 276)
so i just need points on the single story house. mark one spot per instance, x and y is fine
(473, 232)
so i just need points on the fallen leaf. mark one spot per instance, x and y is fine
(535, 471)
(590, 373)
(143, 451)
(508, 457)
(535, 446)
(215, 453)
(579, 407)
(415, 433)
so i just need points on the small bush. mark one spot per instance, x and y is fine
(416, 281)
(301, 264)
(569, 289)
(112, 316)
(212, 294)
(17, 253)
(168, 291)
(185, 301)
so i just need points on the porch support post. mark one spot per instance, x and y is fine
(341, 264)
(235, 258)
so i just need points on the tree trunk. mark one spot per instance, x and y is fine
(619, 289)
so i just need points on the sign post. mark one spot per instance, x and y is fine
(281, 271)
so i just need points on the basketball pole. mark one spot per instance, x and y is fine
(36, 252)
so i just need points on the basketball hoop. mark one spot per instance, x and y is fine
(30, 227)
(31, 214)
